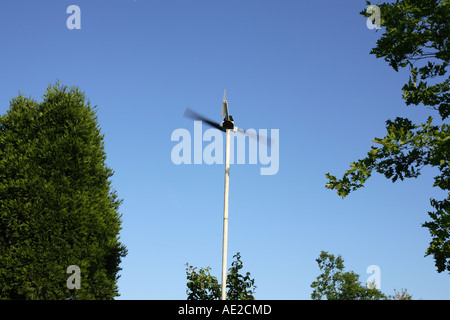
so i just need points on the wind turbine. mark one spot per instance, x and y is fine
(227, 126)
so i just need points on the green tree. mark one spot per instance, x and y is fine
(403, 295)
(57, 207)
(335, 284)
(416, 37)
(239, 287)
(202, 285)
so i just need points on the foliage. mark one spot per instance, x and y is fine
(403, 295)
(239, 287)
(56, 204)
(335, 284)
(417, 32)
(416, 37)
(202, 285)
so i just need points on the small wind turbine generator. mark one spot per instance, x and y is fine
(226, 126)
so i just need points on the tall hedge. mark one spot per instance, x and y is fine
(57, 205)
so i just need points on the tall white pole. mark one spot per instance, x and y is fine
(225, 217)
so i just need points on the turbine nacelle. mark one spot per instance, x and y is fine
(228, 124)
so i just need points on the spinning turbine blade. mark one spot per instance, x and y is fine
(188, 113)
(255, 136)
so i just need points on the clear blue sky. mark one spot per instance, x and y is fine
(301, 67)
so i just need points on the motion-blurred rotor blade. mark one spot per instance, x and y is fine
(255, 136)
(188, 113)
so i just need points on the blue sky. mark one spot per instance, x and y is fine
(301, 67)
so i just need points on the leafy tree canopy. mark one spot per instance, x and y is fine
(202, 285)
(416, 37)
(335, 284)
